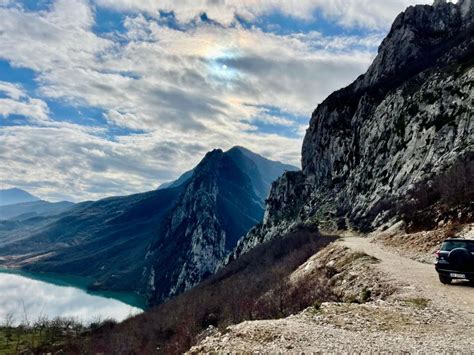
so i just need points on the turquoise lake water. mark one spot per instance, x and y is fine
(30, 296)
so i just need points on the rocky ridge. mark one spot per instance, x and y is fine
(220, 202)
(401, 125)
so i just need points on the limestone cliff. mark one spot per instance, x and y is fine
(402, 124)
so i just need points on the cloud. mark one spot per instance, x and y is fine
(18, 103)
(52, 39)
(176, 78)
(13, 91)
(171, 94)
(348, 13)
(73, 162)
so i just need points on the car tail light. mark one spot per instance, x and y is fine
(437, 252)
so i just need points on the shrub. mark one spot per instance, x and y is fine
(251, 287)
(365, 295)
(448, 191)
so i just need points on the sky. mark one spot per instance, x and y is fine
(112, 97)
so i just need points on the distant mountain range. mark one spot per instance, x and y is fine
(19, 204)
(159, 242)
(14, 195)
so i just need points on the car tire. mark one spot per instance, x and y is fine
(445, 280)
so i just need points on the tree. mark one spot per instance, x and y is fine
(8, 324)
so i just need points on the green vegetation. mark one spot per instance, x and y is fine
(418, 302)
(42, 335)
(315, 309)
(364, 297)
(413, 109)
(430, 97)
(400, 126)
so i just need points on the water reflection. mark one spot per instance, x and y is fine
(30, 299)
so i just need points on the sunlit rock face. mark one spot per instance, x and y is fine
(220, 202)
(405, 121)
(27, 300)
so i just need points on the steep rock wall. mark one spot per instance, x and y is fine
(369, 145)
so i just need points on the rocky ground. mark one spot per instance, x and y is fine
(391, 327)
(421, 246)
(401, 307)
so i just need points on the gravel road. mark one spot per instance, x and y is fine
(422, 317)
(417, 279)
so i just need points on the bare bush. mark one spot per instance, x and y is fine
(443, 197)
(252, 287)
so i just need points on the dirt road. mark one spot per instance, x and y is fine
(402, 323)
(416, 278)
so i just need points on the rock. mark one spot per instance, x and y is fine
(403, 123)
(219, 203)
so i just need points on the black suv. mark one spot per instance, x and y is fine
(455, 260)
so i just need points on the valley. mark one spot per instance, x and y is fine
(244, 254)
(112, 243)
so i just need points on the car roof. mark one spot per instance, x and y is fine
(459, 239)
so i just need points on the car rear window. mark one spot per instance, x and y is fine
(453, 244)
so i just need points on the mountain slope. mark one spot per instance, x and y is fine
(396, 141)
(104, 241)
(178, 182)
(14, 195)
(26, 210)
(263, 171)
(222, 200)
(144, 242)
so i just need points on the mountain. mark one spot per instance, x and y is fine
(265, 170)
(14, 195)
(222, 200)
(104, 241)
(178, 182)
(27, 210)
(158, 243)
(396, 144)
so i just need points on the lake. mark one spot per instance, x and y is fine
(30, 296)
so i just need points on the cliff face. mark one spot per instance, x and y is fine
(406, 121)
(221, 201)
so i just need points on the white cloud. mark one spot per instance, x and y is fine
(49, 40)
(17, 102)
(31, 108)
(11, 90)
(72, 162)
(349, 13)
(187, 91)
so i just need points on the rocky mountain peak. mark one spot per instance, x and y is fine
(417, 39)
(221, 200)
(400, 128)
(467, 8)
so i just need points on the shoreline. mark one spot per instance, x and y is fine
(78, 282)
